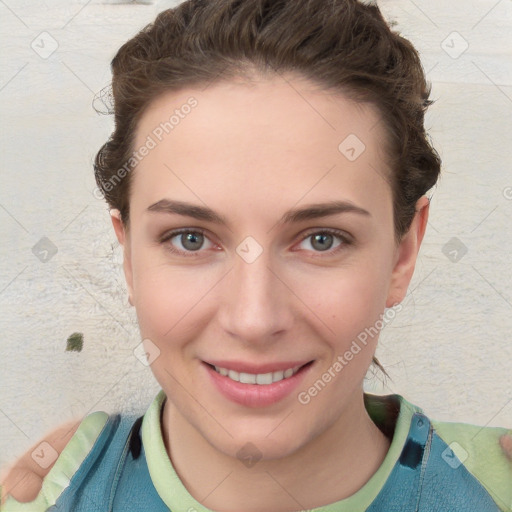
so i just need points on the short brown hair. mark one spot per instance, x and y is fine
(343, 45)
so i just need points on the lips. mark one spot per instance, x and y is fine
(243, 387)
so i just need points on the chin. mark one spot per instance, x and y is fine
(252, 446)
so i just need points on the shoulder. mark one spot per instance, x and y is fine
(480, 451)
(24, 479)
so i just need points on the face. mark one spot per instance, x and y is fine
(261, 239)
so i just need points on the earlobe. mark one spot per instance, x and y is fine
(121, 234)
(407, 252)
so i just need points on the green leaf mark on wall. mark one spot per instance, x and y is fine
(75, 342)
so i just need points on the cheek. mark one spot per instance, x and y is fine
(346, 300)
(171, 302)
(350, 307)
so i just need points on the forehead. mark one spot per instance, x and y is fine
(281, 136)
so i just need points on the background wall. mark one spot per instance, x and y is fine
(449, 350)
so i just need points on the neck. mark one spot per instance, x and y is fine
(329, 468)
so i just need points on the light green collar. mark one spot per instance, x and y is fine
(175, 495)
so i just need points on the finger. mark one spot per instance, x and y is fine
(506, 444)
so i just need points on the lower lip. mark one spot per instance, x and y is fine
(256, 395)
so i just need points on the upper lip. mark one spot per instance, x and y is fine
(244, 367)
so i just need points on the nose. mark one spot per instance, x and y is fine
(256, 304)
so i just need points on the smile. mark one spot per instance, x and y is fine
(258, 378)
(256, 385)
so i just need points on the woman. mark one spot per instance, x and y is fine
(267, 179)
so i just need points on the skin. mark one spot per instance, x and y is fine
(506, 444)
(251, 152)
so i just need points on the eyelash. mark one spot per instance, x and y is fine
(343, 237)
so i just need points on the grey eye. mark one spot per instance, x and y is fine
(187, 241)
(322, 241)
(191, 241)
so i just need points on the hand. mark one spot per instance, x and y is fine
(506, 444)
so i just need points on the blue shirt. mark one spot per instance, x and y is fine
(119, 463)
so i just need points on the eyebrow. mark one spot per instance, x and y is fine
(312, 211)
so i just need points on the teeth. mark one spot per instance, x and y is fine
(264, 378)
(259, 378)
(247, 378)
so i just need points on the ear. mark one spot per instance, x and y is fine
(406, 254)
(123, 238)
